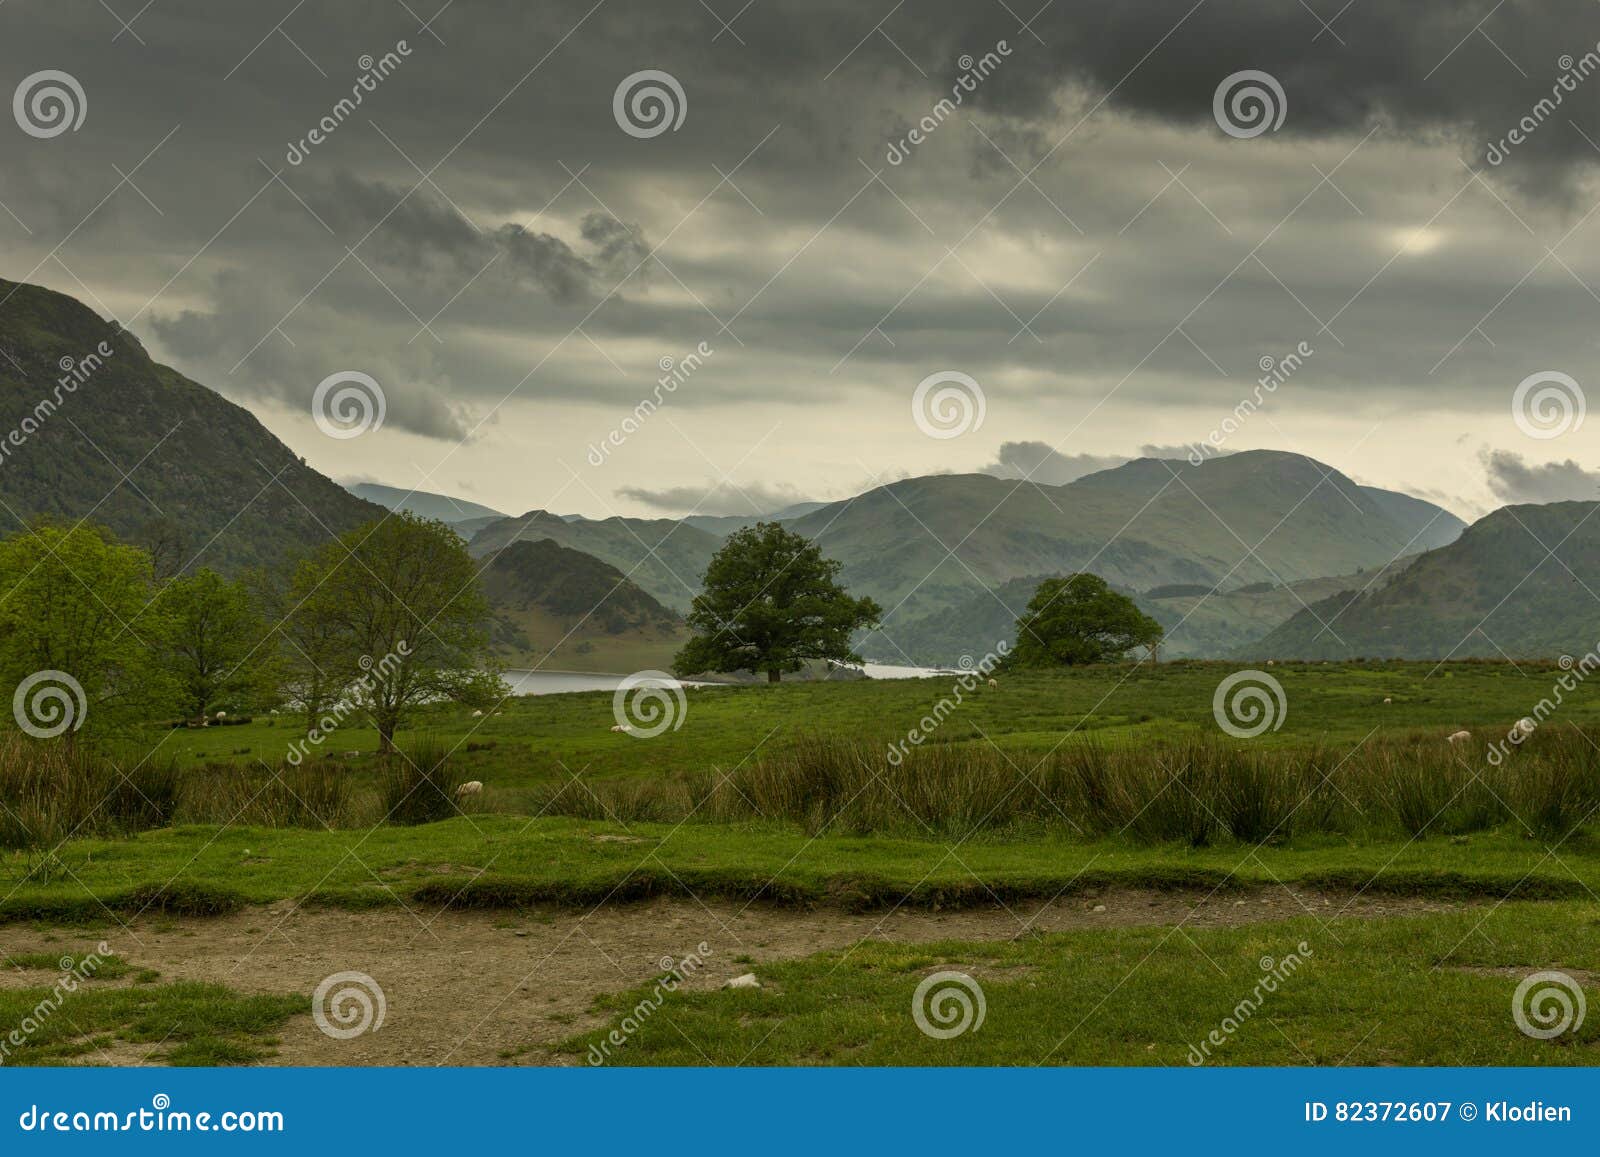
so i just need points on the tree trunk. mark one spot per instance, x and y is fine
(773, 675)
(385, 737)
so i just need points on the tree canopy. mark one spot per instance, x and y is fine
(1079, 619)
(395, 618)
(771, 601)
(80, 631)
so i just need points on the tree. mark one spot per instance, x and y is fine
(217, 645)
(770, 602)
(1079, 619)
(399, 621)
(79, 625)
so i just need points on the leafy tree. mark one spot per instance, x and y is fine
(217, 644)
(1079, 619)
(75, 603)
(397, 620)
(770, 602)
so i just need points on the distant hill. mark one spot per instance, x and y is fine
(662, 555)
(562, 609)
(725, 524)
(235, 494)
(927, 545)
(1200, 622)
(421, 502)
(1522, 582)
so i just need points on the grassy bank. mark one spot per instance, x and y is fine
(502, 861)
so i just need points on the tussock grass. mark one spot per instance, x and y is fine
(1197, 791)
(55, 789)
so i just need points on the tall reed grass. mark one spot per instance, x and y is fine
(1198, 791)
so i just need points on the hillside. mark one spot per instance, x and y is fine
(562, 609)
(926, 545)
(1200, 622)
(235, 494)
(425, 504)
(662, 555)
(1520, 582)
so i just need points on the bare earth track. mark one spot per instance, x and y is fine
(467, 988)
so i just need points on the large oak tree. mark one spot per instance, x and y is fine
(770, 602)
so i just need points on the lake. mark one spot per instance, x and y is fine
(527, 682)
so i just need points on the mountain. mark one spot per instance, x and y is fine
(662, 555)
(723, 525)
(421, 502)
(1520, 582)
(562, 609)
(91, 427)
(1200, 622)
(927, 545)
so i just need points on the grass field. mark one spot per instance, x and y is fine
(577, 816)
(1432, 990)
(536, 739)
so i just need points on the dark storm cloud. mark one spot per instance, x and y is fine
(1514, 480)
(480, 228)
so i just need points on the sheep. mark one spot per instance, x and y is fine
(620, 727)
(1458, 737)
(222, 714)
(471, 787)
(477, 714)
(994, 682)
(1269, 662)
(1523, 728)
(748, 980)
(1386, 699)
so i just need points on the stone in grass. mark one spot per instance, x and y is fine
(748, 980)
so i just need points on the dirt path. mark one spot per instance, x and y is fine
(473, 988)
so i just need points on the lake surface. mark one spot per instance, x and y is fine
(525, 682)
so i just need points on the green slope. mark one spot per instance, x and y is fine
(562, 609)
(421, 502)
(929, 544)
(1523, 581)
(662, 555)
(236, 494)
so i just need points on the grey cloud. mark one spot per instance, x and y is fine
(1041, 463)
(1514, 480)
(715, 498)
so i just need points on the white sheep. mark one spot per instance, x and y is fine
(222, 714)
(1269, 662)
(1458, 737)
(471, 787)
(477, 714)
(994, 682)
(1386, 699)
(1523, 727)
(748, 980)
(620, 727)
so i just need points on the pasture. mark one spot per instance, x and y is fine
(1426, 877)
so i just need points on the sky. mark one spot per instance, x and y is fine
(655, 257)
